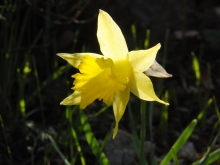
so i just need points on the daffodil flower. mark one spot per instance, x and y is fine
(112, 76)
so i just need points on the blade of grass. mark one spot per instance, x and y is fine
(69, 113)
(214, 156)
(147, 39)
(38, 89)
(134, 35)
(78, 147)
(175, 159)
(210, 157)
(196, 68)
(107, 136)
(57, 149)
(101, 111)
(143, 133)
(207, 159)
(150, 119)
(179, 142)
(202, 113)
(22, 106)
(216, 125)
(217, 110)
(92, 140)
(6, 141)
(134, 131)
(164, 118)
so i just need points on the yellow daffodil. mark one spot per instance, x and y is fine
(111, 77)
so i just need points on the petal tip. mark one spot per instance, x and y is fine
(61, 54)
(163, 102)
(101, 11)
(158, 45)
(169, 75)
(115, 131)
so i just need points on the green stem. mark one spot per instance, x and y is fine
(143, 133)
(150, 119)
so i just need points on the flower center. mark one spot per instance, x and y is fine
(123, 68)
(98, 80)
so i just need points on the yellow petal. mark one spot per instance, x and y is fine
(119, 105)
(141, 60)
(97, 80)
(76, 58)
(73, 99)
(110, 37)
(142, 87)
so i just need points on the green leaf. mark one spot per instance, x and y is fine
(92, 140)
(210, 157)
(180, 142)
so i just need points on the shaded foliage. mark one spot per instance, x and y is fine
(34, 80)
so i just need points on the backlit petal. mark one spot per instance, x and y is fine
(110, 37)
(141, 60)
(73, 99)
(76, 58)
(142, 87)
(119, 105)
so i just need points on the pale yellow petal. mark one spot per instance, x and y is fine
(142, 87)
(141, 60)
(76, 58)
(73, 99)
(119, 105)
(111, 40)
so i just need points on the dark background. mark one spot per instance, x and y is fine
(33, 80)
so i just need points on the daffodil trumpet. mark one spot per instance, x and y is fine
(112, 76)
